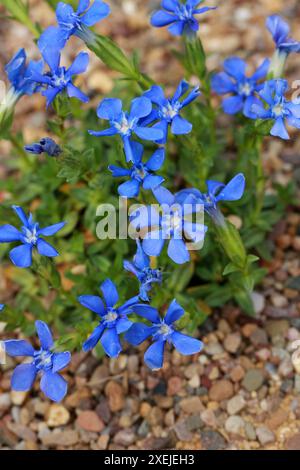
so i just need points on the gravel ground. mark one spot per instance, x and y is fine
(243, 391)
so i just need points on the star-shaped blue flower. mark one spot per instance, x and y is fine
(140, 174)
(142, 270)
(162, 331)
(216, 192)
(127, 123)
(179, 16)
(113, 320)
(243, 88)
(73, 22)
(30, 237)
(280, 31)
(278, 108)
(44, 362)
(170, 223)
(167, 110)
(45, 145)
(59, 79)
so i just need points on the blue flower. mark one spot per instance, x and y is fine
(167, 111)
(125, 124)
(278, 108)
(280, 32)
(243, 88)
(162, 331)
(2, 307)
(216, 192)
(44, 362)
(140, 174)
(18, 72)
(113, 320)
(180, 16)
(46, 145)
(142, 270)
(30, 237)
(59, 79)
(73, 22)
(171, 222)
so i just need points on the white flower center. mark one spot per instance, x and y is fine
(111, 316)
(169, 111)
(31, 236)
(278, 110)
(165, 330)
(245, 89)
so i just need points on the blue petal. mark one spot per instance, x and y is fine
(111, 342)
(23, 377)
(250, 101)
(180, 91)
(110, 293)
(235, 67)
(98, 11)
(54, 386)
(153, 243)
(259, 111)
(163, 126)
(162, 18)
(118, 172)
(51, 229)
(8, 233)
(82, 6)
(180, 126)
(21, 214)
(127, 307)
(185, 344)
(123, 325)
(45, 249)
(128, 149)
(18, 347)
(213, 187)
(154, 356)
(278, 28)
(156, 95)
(141, 260)
(233, 104)
(16, 66)
(234, 190)
(60, 361)
(178, 252)
(164, 196)
(93, 303)
(156, 160)
(110, 108)
(195, 232)
(129, 189)
(128, 266)
(148, 312)
(177, 28)
(279, 130)
(93, 339)
(74, 92)
(50, 95)
(21, 256)
(294, 109)
(175, 311)
(144, 216)
(44, 334)
(152, 181)
(1, 307)
(137, 152)
(149, 133)
(262, 70)
(52, 35)
(79, 65)
(294, 122)
(138, 333)
(140, 107)
(64, 14)
(191, 97)
(51, 56)
(170, 5)
(106, 132)
(222, 84)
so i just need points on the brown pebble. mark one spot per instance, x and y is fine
(221, 390)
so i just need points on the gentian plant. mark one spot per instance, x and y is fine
(194, 189)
